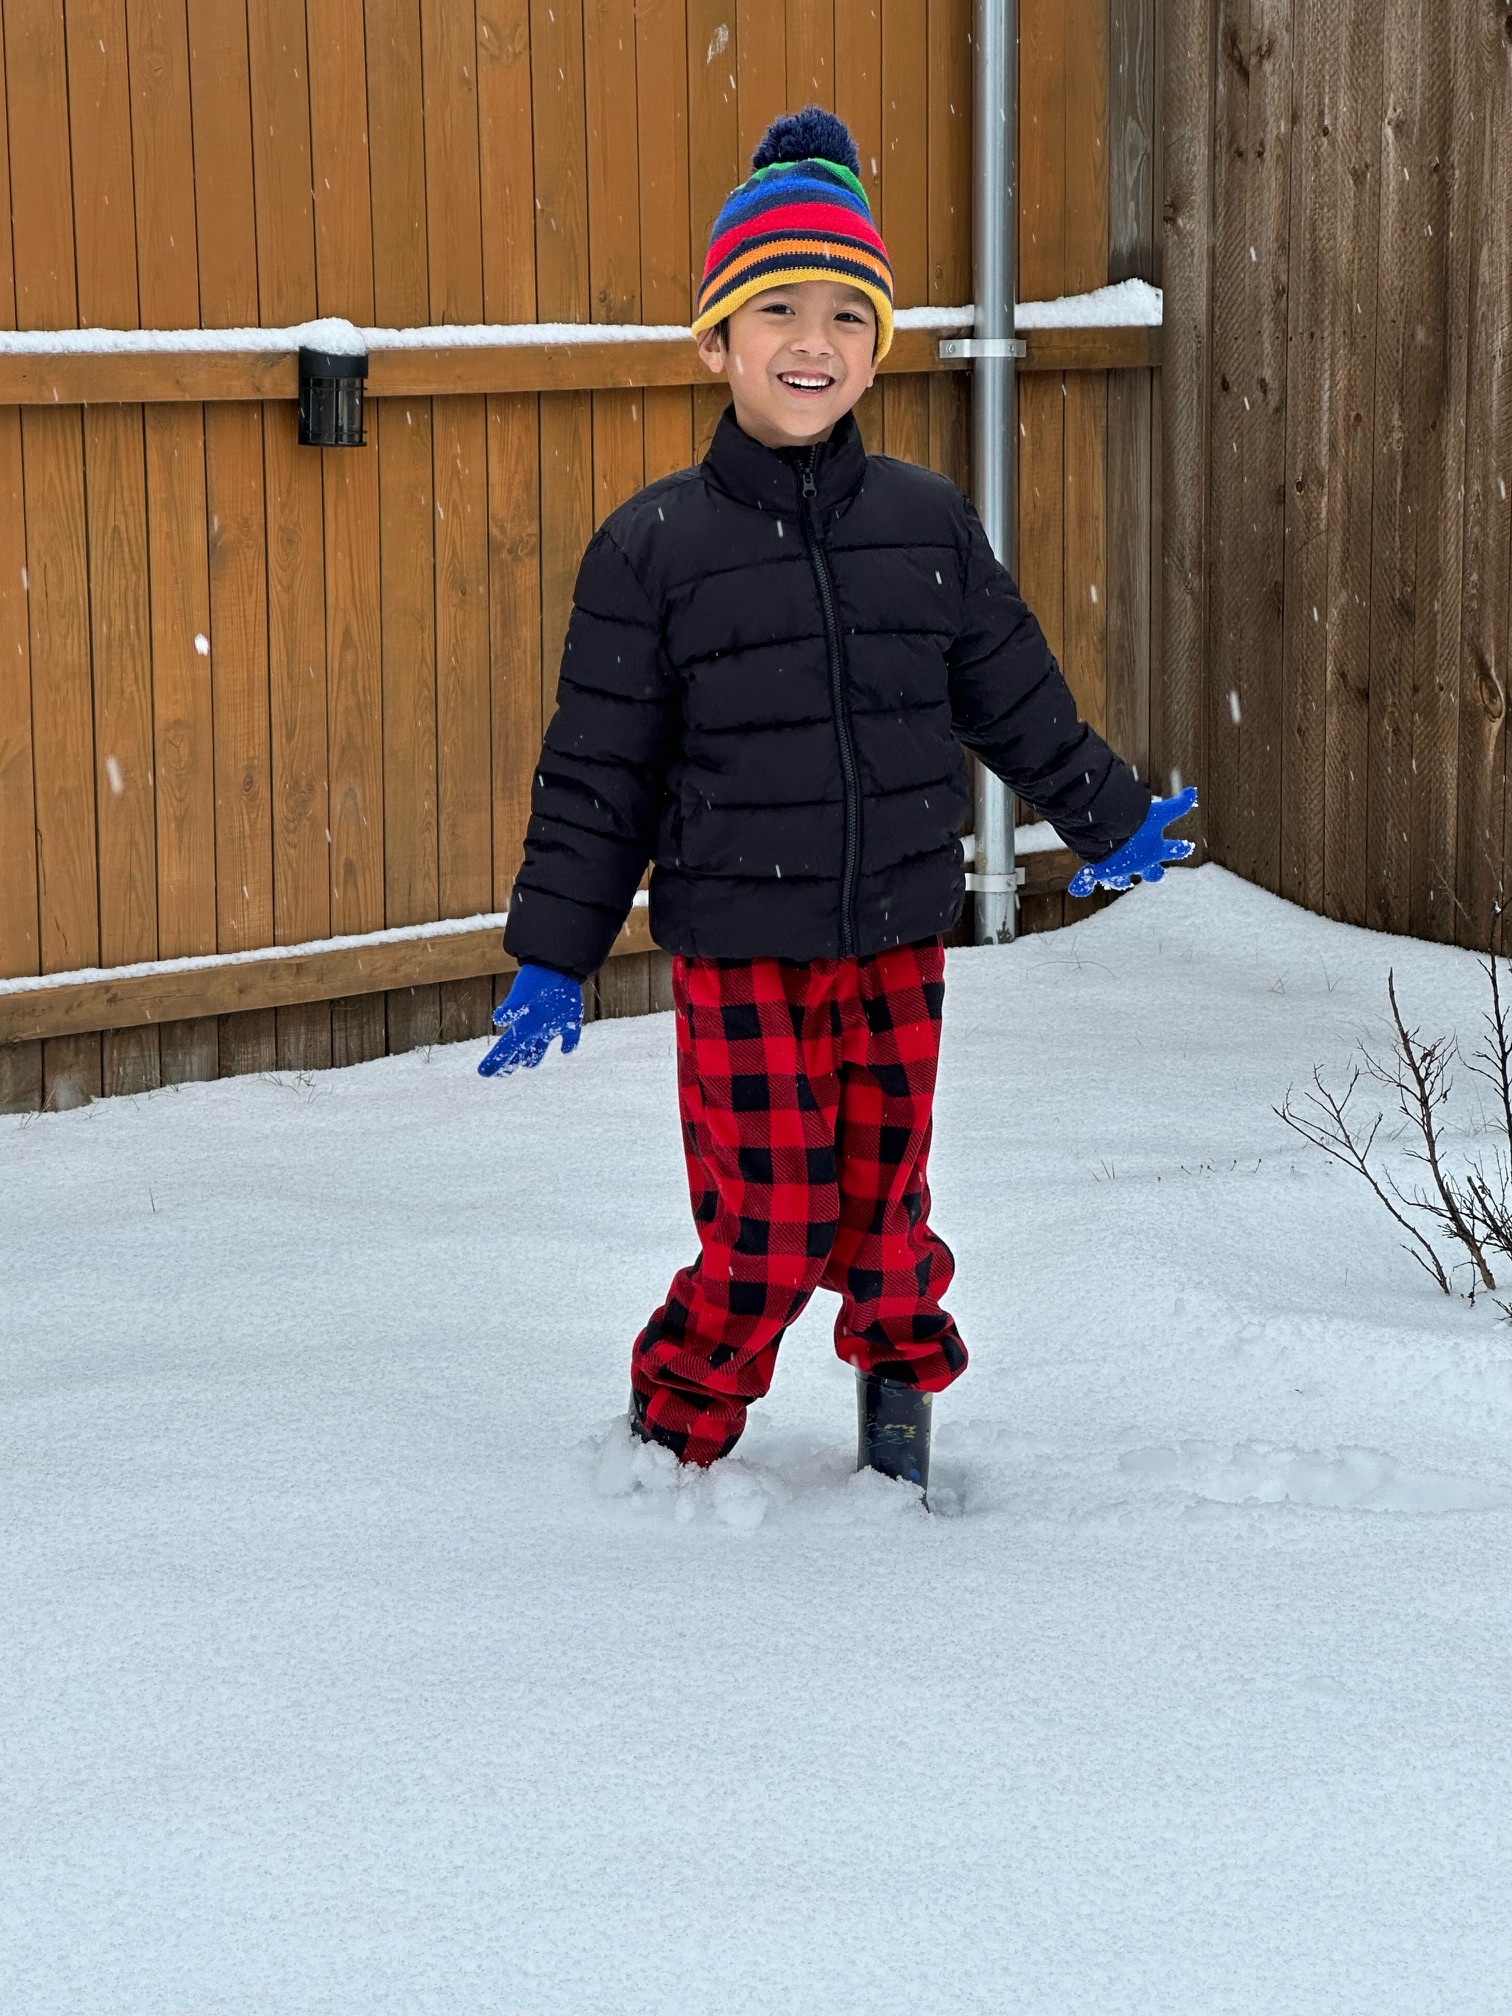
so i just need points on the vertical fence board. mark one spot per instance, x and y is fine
(904, 219)
(57, 569)
(220, 98)
(561, 151)
(757, 61)
(460, 477)
(42, 231)
(810, 52)
(715, 162)
(1132, 119)
(1442, 362)
(661, 87)
(115, 482)
(1321, 189)
(1394, 526)
(623, 987)
(1249, 420)
(354, 648)
(406, 506)
(177, 527)
(1086, 393)
(1178, 724)
(951, 118)
(20, 951)
(514, 603)
(295, 505)
(1129, 505)
(1484, 47)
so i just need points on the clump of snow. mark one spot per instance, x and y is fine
(1126, 304)
(348, 1664)
(1040, 838)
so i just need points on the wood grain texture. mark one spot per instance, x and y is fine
(406, 480)
(506, 194)
(614, 279)
(344, 286)
(56, 570)
(1133, 120)
(283, 172)
(1132, 252)
(1248, 394)
(20, 950)
(1394, 584)
(1086, 557)
(460, 464)
(1452, 228)
(666, 280)
(20, 945)
(177, 518)
(810, 52)
(514, 506)
(116, 504)
(903, 190)
(220, 101)
(1485, 670)
(757, 61)
(1178, 726)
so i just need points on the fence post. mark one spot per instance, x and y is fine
(995, 260)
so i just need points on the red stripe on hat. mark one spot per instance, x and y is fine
(810, 220)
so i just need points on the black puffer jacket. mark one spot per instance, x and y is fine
(772, 663)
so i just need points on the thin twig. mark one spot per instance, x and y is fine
(1335, 1135)
(1428, 1065)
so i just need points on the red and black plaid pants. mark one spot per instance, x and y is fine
(807, 1094)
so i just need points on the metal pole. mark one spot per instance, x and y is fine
(994, 443)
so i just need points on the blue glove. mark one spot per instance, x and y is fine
(541, 1004)
(1145, 855)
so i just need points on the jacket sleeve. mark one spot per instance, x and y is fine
(596, 799)
(1012, 707)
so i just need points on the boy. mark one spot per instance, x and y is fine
(772, 664)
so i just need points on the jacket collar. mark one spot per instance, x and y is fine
(771, 478)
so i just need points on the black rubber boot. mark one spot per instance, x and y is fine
(892, 1423)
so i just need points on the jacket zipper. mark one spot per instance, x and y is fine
(841, 707)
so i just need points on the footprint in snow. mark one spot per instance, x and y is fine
(1350, 1480)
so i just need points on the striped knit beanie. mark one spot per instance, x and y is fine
(802, 215)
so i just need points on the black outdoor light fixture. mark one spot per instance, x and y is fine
(330, 398)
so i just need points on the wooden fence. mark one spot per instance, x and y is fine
(1339, 435)
(256, 696)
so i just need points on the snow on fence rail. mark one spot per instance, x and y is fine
(1111, 327)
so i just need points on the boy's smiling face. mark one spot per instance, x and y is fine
(798, 359)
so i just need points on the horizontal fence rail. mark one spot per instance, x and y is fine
(73, 1004)
(141, 376)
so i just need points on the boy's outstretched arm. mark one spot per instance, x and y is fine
(595, 804)
(1012, 707)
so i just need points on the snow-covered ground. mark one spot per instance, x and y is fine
(345, 1665)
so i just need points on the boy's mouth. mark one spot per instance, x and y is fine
(806, 383)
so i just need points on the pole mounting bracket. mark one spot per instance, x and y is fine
(983, 346)
(994, 885)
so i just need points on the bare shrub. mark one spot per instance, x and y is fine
(1468, 1207)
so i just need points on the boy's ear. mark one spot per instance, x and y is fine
(711, 348)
